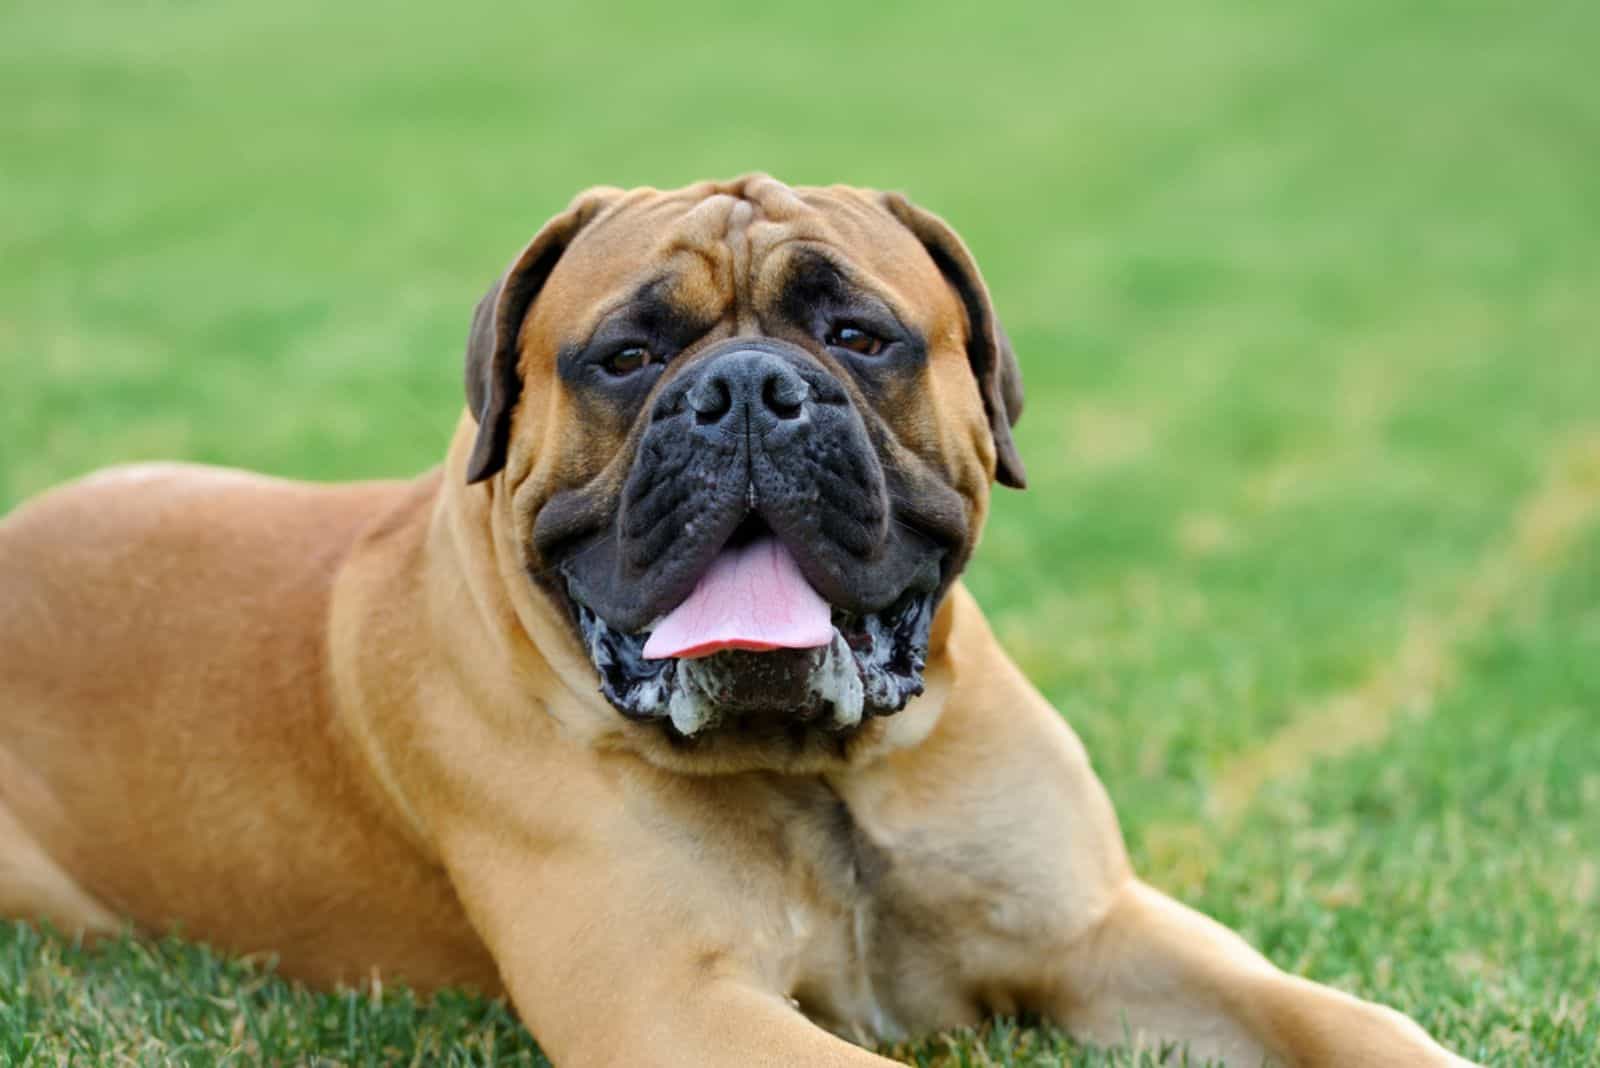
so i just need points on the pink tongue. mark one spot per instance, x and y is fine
(755, 598)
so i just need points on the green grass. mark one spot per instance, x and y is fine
(1306, 297)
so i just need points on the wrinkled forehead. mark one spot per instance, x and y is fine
(738, 239)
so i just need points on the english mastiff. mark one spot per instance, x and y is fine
(660, 707)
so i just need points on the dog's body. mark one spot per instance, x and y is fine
(361, 727)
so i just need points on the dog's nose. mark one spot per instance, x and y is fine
(749, 384)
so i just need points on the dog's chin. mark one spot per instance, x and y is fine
(871, 667)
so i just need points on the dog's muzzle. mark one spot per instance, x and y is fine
(756, 450)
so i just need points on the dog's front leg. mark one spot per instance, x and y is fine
(1000, 812)
(1154, 969)
(610, 963)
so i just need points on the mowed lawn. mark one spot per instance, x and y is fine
(1308, 302)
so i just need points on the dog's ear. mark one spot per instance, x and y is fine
(493, 384)
(988, 348)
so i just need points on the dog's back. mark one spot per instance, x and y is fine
(163, 639)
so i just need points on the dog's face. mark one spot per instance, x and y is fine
(745, 434)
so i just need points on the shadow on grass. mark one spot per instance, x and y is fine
(129, 1000)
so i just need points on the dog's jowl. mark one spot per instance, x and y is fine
(659, 706)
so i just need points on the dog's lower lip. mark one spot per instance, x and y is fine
(876, 657)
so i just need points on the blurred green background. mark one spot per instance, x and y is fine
(1307, 298)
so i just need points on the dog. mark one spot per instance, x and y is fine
(659, 708)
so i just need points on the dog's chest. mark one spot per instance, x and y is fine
(886, 939)
(833, 877)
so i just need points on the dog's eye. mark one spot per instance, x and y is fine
(856, 340)
(626, 361)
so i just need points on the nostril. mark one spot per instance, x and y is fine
(785, 395)
(710, 399)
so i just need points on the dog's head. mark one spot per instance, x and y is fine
(743, 435)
